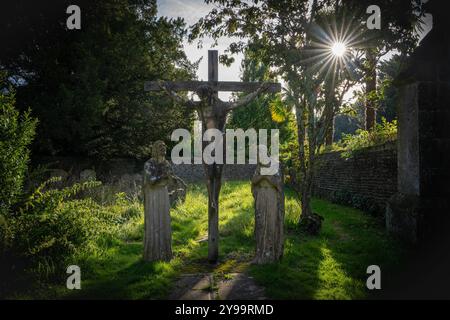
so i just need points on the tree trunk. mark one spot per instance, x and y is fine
(306, 200)
(306, 204)
(329, 135)
(214, 176)
(301, 132)
(329, 121)
(371, 88)
(309, 222)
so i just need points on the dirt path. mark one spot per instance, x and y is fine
(207, 286)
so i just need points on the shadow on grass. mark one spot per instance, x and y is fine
(329, 266)
(332, 265)
(127, 276)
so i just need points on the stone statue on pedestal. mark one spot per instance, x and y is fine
(158, 232)
(269, 216)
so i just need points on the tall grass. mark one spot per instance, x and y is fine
(329, 266)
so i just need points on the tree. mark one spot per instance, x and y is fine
(388, 94)
(282, 33)
(400, 21)
(264, 112)
(16, 133)
(86, 86)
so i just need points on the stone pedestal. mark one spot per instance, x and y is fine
(420, 211)
(268, 192)
(421, 207)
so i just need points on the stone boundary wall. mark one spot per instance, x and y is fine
(365, 180)
(196, 173)
(114, 170)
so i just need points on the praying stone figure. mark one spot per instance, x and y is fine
(158, 232)
(269, 216)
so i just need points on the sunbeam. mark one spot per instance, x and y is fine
(338, 49)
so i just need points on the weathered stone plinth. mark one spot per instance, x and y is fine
(415, 218)
(268, 192)
(421, 206)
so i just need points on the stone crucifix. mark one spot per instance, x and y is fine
(213, 113)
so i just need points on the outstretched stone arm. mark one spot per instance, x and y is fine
(176, 97)
(249, 98)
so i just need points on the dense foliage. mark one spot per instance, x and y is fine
(382, 133)
(87, 86)
(42, 230)
(266, 112)
(16, 133)
(386, 99)
(389, 70)
(285, 34)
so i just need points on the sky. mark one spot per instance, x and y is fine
(191, 11)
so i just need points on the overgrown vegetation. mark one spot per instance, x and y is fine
(351, 143)
(330, 266)
(41, 230)
(315, 83)
(87, 86)
(363, 203)
(16, 134)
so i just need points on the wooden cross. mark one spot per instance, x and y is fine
(213, 113)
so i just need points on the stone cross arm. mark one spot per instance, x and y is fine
(270, 87)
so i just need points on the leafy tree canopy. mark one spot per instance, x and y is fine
(86, 86)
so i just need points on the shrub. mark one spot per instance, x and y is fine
(45, 231)
(366, 204)
(55, 228)
(382, 133)
(16, 134)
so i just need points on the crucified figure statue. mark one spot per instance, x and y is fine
(213, 112)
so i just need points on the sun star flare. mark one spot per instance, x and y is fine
(338, 49)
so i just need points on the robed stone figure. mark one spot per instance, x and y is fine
(158, 232)
(268, 196)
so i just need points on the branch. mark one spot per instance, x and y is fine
(248, 98)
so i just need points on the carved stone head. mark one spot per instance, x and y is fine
(205, 92)
(159, 150)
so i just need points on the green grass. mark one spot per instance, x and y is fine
(332, 265)
(329, 266)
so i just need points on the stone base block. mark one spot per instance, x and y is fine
(415, 219)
